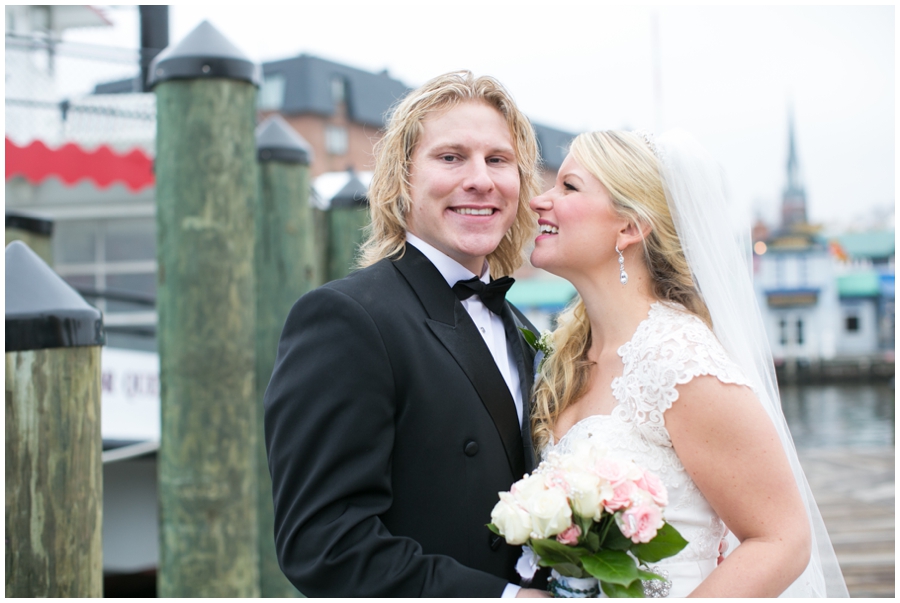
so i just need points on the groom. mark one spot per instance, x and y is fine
(398, 406)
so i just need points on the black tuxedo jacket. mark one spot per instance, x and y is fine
(389, 432)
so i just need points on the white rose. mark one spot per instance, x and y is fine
(584, 454)
(634, 473)
(551, 462)
(528, 487)
(511, 519)
(585, 493)
(550, 513)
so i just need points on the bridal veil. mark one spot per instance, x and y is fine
(721, 266)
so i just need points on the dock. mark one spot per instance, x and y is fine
(854, 488)
(864, 368)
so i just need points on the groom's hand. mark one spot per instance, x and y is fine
(532, 593)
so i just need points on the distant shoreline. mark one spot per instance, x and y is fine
(853, 369)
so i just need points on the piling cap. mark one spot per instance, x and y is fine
(203, 53)
(353, 194)
(276, 140)
(29, 223)
(42, 310)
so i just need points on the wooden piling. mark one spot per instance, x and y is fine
(347, 218)
(34, 231)
(206, 194)
(54, 481)
(288, 264)
(54, 477)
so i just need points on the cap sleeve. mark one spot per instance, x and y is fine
(669, 349)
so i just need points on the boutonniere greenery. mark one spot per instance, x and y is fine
(543, 344)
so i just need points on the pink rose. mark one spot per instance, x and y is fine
(613, 471)
(569, 536)
(640, 522)
(654, 487)
(622, 497)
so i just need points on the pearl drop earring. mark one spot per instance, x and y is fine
(623, 276)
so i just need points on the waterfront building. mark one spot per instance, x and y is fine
(794, 276)
(866, 289)
(798, 296)
(341, 110)
(822, 298)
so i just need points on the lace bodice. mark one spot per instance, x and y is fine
(669, 348)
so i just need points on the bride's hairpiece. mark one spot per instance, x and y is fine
(650, 140)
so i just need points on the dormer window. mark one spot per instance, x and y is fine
(336, 140)
(271, 93)
(338, 90)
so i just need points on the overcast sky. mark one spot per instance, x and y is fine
(727, 74)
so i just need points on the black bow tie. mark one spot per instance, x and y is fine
(492, 295)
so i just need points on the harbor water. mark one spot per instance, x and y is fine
(836, 416)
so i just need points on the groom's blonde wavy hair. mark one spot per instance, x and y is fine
(625, 164)
(389, 192)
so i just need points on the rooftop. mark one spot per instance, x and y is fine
(308, 88)
(548, 293)
(553, 143)
(868, 245)
(859, 284)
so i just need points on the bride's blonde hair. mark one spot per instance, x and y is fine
(625, 164)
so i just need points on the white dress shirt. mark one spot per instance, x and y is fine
(489, 325)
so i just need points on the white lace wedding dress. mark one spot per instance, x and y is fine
(669, 348)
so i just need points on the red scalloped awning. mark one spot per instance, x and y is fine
(71, 164)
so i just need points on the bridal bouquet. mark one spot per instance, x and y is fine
(588, 515)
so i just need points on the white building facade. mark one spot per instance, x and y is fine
(799, 299)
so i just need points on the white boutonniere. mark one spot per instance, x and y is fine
(543, 345)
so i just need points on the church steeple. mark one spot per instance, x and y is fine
(793, 201)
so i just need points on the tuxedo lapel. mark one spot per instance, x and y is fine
(524, 358)
(465, 344)
(453, 327)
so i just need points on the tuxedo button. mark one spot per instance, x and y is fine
(471, 448)
(495, 541)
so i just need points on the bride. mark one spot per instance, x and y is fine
(663, 358)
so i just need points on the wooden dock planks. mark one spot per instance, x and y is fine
(854, 488)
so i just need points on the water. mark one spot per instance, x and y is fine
(833, 416)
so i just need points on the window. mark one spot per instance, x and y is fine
(779, 270)
(130, 240)
(338, 90)
(800, 331)
(851, 323)
(40, 18)
(75, 242)
(118, 257)
(271, 93)
(782, 332)
(336, 140)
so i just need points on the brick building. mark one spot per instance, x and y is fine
(341, 110)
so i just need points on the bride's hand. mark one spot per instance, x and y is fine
(723, 547)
